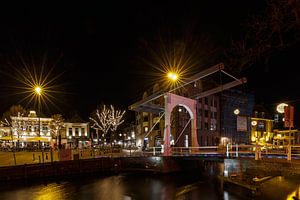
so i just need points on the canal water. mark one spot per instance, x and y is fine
(180, 186)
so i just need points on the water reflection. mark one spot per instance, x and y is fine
(134, 187)
(281, 188)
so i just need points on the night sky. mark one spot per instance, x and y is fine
(102, 51)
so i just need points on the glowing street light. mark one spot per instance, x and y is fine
(173, 76)
(236, 111)
(280, 107)
(38, 90)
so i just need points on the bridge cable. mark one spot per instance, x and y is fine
(154, 125)
(183, 130)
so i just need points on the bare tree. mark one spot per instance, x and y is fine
(7, 123)
(273, 30)
(101, 121)
(107, 119)
(116, 119)
(56, 125)
(19, 127)
(14, 110)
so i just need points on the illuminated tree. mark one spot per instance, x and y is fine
(17, 123)
(56, 125)
(14, 110)
(101, 121)
(7, 123)
(116, 119)
(18, 127)
(107, 119)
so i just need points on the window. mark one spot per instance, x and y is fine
(146, 118)
(76, 132)
(206, 101)
(201, 141)
(206, 113)
(199, 111)
(70, 131)
(215, 103)
(206, 126)
(213, 126)
(83, 132)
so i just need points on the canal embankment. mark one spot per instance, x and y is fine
(101, 165)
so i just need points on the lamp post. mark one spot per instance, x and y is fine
(236, 112)
(288, 112)
(38, 91)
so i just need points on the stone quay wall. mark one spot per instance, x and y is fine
(102, 165)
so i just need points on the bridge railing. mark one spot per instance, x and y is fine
(257, 151)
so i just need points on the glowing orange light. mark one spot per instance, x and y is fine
(173, 76)
(38, 90)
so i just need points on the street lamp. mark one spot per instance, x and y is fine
(236, 112)
(173, 76)
(280, 107)
(38, 91)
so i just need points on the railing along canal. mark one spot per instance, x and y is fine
(255, 151)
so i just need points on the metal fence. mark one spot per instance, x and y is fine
(256, 152)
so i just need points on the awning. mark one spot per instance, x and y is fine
(8, 138)
(36, 139)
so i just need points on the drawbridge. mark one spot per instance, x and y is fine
(171, 100)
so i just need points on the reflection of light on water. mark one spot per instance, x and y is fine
(294, 195)
(286, 188)
(51, 191)
(185, 189)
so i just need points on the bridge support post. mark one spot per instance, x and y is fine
(227, 150)
(257, 156)
(289, 152)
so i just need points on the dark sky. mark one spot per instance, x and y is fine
(102, 49)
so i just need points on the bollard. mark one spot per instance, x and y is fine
(51, 155)
(227, 150)
(289, 152)
(46, 156)
(236, 150)
(256, 153)
(39, 159)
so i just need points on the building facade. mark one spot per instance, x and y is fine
(34, 132)
(30, 131)
(236, 105)
(76, 135)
